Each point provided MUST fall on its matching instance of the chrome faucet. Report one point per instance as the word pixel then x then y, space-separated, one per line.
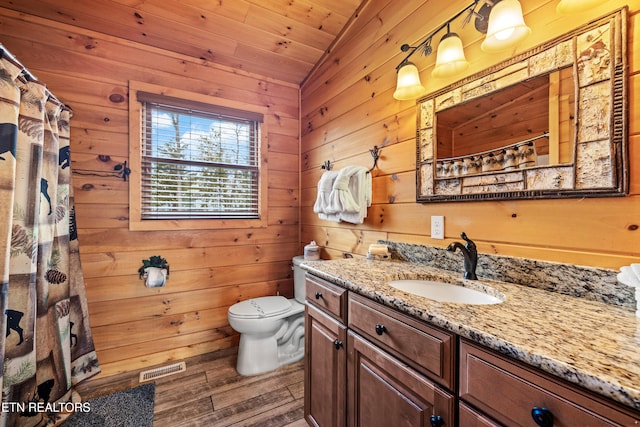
pixel 470 254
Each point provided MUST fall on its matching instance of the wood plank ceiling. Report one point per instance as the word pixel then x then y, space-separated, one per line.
pixel 281 39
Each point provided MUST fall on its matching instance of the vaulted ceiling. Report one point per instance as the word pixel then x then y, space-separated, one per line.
pixel 282 39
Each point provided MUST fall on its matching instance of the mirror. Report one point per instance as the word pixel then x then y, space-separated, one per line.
pixel 548 123
pixel 528 124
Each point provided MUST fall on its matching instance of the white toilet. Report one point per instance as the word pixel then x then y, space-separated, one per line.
pixel 271 328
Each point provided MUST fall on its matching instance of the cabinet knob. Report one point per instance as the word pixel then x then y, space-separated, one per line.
pixel 318 295
pixel 436 421
pixel 542 416
pixel 380 329
pixel 337 344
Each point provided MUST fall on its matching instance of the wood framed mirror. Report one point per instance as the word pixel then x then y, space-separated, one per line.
pixel 548 123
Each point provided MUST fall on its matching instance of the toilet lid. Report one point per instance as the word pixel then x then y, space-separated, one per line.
pixel 256 308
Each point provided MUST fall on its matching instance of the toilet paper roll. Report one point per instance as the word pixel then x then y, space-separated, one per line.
pixel 156 277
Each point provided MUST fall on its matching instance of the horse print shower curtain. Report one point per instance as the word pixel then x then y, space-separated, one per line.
pixel 47 347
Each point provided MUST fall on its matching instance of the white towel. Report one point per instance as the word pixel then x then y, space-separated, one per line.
pixel 341 199
pixel 360 186
pixel 351 194
pixel 325 186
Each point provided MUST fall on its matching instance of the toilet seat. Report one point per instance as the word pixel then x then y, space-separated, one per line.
pixel 258 308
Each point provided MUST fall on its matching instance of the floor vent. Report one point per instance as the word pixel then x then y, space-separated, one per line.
pixel 162 371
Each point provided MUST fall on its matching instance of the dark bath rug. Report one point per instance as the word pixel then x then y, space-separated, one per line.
pixel 133 407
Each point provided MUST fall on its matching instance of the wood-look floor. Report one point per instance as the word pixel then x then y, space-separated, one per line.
pixel 212 393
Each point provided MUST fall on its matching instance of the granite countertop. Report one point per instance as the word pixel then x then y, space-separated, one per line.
pixel 589 343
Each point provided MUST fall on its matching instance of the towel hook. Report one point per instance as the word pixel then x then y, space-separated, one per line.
pixel 327 165
pixel 375 153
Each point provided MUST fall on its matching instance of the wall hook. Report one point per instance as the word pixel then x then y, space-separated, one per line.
pixel 327 165
pixel 375 153
pixel 122 170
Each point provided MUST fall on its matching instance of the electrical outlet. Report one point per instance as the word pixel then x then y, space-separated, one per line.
pixel 437 227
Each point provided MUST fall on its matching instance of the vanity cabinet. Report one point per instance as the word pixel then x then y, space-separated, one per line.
pixel 512 393
pixel 370 365
pixel 325 391
pixel 367 365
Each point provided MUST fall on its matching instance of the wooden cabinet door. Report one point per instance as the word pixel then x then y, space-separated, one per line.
pixel 325 370
pixel 386 392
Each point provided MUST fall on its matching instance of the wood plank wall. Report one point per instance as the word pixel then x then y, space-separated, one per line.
pixel 133 326
pixel 347 108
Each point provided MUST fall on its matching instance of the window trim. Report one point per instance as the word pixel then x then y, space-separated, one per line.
pixel 136 223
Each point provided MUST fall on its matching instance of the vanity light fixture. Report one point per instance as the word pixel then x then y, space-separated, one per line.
pixel 502 21
pixel 567 7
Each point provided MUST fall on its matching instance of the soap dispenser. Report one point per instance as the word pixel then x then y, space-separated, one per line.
pixel 312 251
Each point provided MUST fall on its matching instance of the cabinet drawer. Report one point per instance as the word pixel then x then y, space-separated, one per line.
pixel 328 297
pixel 425 348
pixel 508 391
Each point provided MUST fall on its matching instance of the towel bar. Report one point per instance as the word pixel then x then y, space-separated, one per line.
pixel 375 153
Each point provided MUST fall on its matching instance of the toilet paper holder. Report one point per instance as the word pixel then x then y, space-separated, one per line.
pixel 154 271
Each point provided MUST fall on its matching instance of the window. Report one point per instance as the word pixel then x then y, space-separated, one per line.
pixel 197 161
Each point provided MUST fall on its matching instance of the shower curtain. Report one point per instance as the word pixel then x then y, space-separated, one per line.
pixel 47 347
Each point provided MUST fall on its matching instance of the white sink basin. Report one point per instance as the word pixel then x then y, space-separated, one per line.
pixel 444 292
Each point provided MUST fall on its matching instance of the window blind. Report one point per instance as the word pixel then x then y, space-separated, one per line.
pixel 198 161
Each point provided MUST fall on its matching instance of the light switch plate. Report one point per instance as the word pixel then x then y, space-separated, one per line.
pixel 437 227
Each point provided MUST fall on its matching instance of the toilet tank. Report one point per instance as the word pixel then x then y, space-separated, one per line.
pixel 298 279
